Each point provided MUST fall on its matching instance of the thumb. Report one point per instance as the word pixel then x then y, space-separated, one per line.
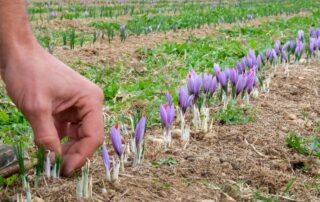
pixel 45 133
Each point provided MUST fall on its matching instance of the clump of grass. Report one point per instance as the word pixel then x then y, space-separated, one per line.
pixel 234 114
pixel 306 146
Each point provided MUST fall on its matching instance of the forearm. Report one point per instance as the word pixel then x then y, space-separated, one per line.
pixel 15 31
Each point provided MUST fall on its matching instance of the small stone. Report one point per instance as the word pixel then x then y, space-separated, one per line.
pixel 284 129
pixel 158 142
pixel 104 191
pixel 37 199
pixel 266 104
pixel 290 116
pixel 210 135
pixel 299 122
pixel 308 124
pixel 176 134
pixel 226 165
pixel 228 199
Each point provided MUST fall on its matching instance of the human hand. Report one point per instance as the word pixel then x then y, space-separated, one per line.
pixel 58 102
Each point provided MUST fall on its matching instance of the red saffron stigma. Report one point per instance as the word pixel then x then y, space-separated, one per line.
pixel 116 125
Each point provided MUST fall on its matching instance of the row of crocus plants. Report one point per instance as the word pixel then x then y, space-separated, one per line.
pixel 236 85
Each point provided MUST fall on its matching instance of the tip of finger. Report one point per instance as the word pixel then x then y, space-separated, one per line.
pixel 71 163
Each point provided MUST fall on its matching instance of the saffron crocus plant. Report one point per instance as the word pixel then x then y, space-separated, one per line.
pixel 169 98
pixel 117 145
pixel 167 116
pixel 234 80
pixel 223 80
pixel 241 83
pixel 184 102
pixel 139 133
pixel 106 161
pixel 194 84
pixel 298 50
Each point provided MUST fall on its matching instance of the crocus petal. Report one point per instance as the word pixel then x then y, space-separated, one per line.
pixel 213 86
pixel 163 114
pixel 116 140
pixel 140 129
pixel 300 35
pixel 206 82
pixel 105 156
pixel 169 98
pixel 240 84
pixel 222 78
pixel 170 114
pixel 233 76
pixel 277 47
pixel 216 68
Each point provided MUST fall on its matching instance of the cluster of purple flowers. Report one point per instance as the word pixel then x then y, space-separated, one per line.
pixel 314 41
pixel 116 140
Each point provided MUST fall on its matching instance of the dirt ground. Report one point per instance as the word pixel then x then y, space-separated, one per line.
pixel 230 163
pixel 106 53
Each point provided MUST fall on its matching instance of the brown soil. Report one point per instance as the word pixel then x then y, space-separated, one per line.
pixel 230 163
pixel 104 53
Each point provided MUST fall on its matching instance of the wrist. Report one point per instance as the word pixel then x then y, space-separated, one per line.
pixel 16 46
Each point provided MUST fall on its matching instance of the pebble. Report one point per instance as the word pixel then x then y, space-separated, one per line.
pixel 290 116
pixel 266 104
pixel 176 134
pixel 284 129
pixel 210 135
pixel 226 165
pixel 37 199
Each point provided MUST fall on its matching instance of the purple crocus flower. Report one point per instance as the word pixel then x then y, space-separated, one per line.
pixel 299 47
pixel 286 45
pixel 240 67
pixel 140 129
pixel 213 86
pixel 53 14
pixel 312 32
pixel 206 82
pixel 167 115
pixel 169 98
pixel 250 61
pixel 116 140
pixel 317 33
pixel 284 55
pixel 277 47
pixel 300 35
pixel 222 78
pixel 313 45
pixel 184 99
pixel 105 157
pixel 259 62
pixel 227 72
pixel 233 76
pixel 194 83
pixel 216 68
pixel 271 54
pixel 251 80
pixel 261 56
pixel 252 54
pixel 241 83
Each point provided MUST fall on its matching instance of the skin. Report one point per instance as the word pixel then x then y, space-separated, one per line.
pixel 56 100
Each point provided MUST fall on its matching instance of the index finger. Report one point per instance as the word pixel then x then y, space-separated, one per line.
pixel 91 135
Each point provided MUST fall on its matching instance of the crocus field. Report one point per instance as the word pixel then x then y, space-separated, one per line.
pixel 209 100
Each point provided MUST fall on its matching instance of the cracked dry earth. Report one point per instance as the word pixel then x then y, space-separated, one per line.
pixel 231 162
